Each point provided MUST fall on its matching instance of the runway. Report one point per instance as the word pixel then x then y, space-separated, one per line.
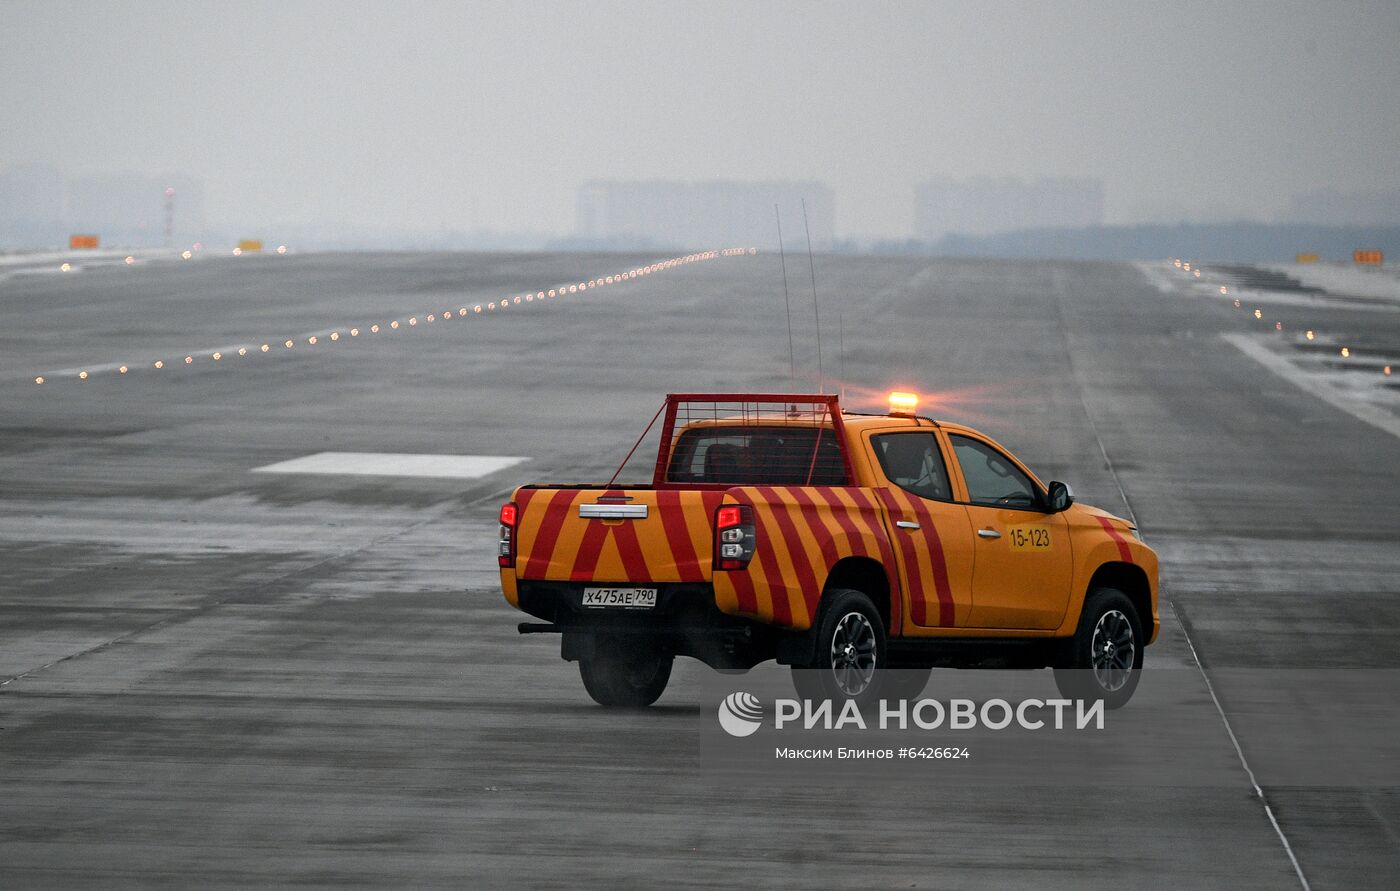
pixel 214 676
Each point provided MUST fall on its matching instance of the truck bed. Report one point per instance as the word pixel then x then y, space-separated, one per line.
pixel 672 542
pixel 805 530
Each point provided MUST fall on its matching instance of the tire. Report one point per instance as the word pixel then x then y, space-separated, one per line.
pixel 850 651
pixel 904 683
pixel 1104 658
pixel 623 676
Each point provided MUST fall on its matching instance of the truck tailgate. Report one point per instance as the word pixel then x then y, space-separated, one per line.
pixel 615 535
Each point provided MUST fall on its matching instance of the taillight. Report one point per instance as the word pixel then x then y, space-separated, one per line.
pixel 735 536
pixel 505 551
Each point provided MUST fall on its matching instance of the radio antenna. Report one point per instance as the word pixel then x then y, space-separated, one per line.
pixel 841 345
pixel 787 301
pixel 816 305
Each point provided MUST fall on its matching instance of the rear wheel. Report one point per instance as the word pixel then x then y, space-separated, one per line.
pixel 1105 655
pixel 850 651
pixel 625 678
pixel 904 683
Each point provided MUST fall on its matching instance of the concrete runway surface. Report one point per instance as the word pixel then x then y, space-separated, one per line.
pixel 215 677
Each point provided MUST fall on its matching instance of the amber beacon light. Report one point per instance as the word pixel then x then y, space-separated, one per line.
pixel 902 403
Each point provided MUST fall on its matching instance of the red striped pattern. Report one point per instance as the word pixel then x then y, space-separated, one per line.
pixel 542 545
pixel 812 516
pixel 765 563
pixel 918 604
pixel 802 533
pixel 898 504
pixel 624 536
pixel 558 550
pixel 1123 550
pixel 783 528
pixel 938 559
pixel 668 504
pixel 869 517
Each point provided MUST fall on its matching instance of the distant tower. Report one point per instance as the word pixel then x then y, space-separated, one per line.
pixel 169 216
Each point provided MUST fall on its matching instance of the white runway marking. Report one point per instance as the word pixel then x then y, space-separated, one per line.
pixel 1313 383
pixel 1170 281
pixel 462 467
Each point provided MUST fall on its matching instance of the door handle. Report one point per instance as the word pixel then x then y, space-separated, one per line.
pixel 988 533
pixel 905 524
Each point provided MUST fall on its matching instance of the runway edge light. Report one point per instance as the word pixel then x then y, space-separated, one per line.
pixel 256 245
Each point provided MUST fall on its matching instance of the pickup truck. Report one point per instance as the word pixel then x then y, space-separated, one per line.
pixel 840 544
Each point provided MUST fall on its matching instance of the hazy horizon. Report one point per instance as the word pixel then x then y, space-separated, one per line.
pixel 489 116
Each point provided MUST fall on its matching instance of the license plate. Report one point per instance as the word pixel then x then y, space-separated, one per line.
pixel 622 598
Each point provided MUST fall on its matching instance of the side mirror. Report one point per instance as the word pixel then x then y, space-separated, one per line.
pixel 1059 497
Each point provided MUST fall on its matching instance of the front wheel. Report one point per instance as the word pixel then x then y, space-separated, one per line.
pixel 619 678
pixel 1104 657
pixel 850 651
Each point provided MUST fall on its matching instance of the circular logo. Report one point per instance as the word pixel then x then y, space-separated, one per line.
pixel 740 714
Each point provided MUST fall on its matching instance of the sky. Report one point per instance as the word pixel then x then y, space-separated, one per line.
pixel 471 115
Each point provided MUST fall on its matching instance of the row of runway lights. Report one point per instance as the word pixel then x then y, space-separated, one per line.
pixel 1309 334
pixel 187 254
pixel 462 312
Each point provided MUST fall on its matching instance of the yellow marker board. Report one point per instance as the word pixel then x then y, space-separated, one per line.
pixel 250 245
pixel 1306 258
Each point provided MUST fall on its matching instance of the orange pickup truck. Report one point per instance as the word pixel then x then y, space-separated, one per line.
pixel 781 527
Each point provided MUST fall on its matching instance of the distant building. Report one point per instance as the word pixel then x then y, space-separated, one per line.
pixel 32 193
pixel 986 206
pixel 32 198
pixel 703 214
pixel 1371 208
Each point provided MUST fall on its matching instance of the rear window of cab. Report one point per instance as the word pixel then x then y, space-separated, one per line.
pixel 757 456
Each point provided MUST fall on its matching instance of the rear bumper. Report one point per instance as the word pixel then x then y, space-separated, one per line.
pixel 684 622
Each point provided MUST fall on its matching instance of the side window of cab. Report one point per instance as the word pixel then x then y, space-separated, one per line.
pixel 992 480
pixel 913 462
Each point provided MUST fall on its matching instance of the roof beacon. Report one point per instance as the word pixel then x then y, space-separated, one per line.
pixel 903 404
